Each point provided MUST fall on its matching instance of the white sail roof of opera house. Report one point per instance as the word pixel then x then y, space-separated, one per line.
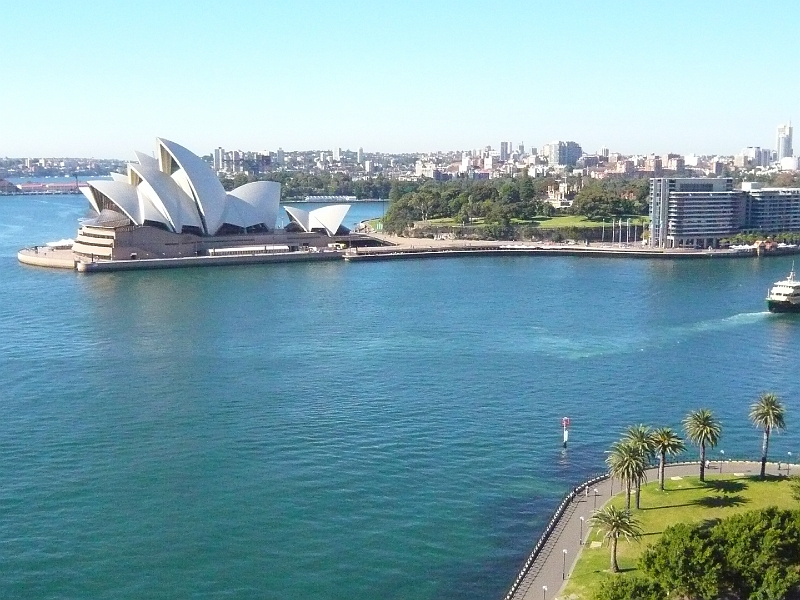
pixel 178 190
pixel 328 218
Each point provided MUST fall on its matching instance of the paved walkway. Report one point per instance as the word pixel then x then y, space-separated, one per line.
pixel 555 562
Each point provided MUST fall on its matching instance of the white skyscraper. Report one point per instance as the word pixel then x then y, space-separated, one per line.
pixel 337 154
pixel 219 156
pixel 360 156
pixel 785 141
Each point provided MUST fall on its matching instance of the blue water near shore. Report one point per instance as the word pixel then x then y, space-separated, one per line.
pixel 376 430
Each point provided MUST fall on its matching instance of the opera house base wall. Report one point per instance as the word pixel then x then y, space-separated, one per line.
pixel 205 261
pixel 55 259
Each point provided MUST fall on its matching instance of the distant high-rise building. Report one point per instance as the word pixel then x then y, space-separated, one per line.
pixel 521 148
pixel 368 166
pixel 603 152
pixel 219 156
pixel 279 158
pixel 562 153
pixel 360 156
pixel 337 154
pixel 785 141
pixel 505 150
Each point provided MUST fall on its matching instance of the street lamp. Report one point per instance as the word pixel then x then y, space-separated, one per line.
pixel 544 592
pixel 787 463
pixel 722 452
pixel 595 498
pixel 580 539
pixel 564 568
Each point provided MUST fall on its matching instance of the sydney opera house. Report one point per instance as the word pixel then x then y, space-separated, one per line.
pixel 173 206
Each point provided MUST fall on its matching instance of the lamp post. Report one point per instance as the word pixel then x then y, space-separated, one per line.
pixel 580 539
pixel 722 452
pixel 564 568
pixel 787 462
pixel 544 592
pixel 595 498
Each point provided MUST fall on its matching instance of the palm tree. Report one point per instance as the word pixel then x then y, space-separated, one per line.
pixel 628 464
pixel 767 413
pixel 616 523
pixel 665 441
pixel 702 429
pixel 640 437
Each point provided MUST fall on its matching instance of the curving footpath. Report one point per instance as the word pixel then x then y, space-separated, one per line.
pixel 549 565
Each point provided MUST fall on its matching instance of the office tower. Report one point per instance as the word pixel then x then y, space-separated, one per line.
pixel 521 148
pixel 219 156
pixel 360 156
pixel 337 154
pixel 784 141
pixel 505 150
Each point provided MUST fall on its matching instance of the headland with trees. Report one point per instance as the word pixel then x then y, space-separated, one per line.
pixel 724 535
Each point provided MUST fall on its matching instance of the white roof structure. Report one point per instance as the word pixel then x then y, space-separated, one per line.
pixel 179 191
pixel 328 218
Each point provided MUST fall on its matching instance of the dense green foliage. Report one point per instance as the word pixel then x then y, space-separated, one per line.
pixel 298 185
pixel 751 555
pixel 499 202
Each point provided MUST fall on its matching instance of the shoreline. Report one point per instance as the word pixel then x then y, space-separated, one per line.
pixel 400 249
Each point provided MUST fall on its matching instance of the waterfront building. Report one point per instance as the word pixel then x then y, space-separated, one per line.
pixel 771 210
pixel 784 141
pixel 689 212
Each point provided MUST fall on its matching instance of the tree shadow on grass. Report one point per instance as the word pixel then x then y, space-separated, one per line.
pixel 721 501
pixel 726 486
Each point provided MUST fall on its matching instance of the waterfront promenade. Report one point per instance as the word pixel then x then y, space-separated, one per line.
pixel 552 566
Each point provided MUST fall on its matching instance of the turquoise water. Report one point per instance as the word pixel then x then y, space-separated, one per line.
pixel 376 430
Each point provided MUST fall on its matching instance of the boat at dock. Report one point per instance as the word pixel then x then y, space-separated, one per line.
pixel 784 296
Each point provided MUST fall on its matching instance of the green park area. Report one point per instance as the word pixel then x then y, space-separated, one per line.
pixel 685 500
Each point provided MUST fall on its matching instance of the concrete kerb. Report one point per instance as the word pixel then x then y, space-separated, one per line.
pixel 549 530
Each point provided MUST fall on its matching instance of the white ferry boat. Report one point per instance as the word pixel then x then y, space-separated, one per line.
pixel 784 296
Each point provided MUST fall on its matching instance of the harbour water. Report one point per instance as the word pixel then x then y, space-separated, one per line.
pixel 378 430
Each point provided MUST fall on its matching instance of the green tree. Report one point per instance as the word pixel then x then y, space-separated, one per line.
pixel 628 587
pixel 665 441
pixel 640 437
pixel 686 562
pixel 616 523
pixel 628 464
pixel 702 429
pixel 767 413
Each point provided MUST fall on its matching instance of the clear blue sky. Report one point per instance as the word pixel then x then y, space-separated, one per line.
pixel 86 78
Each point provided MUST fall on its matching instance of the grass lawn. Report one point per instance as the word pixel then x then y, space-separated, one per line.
pixel 685 500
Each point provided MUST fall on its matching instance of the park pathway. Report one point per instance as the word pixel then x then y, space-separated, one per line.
pixel 552 567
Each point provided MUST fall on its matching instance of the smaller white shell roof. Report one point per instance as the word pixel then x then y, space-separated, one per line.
pixel 263 196
pixel 328 218
pixel 121 194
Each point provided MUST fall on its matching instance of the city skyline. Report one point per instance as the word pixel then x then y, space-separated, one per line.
pixel 421 77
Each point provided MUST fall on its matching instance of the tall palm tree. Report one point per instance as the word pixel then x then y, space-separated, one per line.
pixel 640 437
pixel 665 441
pixel 702 429
pixel 767 413
pixel 616 523
pixel 627 463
